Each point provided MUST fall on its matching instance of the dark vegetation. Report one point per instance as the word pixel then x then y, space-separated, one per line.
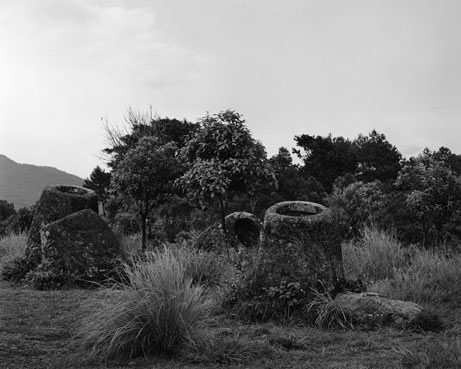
pixel 178 306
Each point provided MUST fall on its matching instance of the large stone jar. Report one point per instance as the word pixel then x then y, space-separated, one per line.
pixel 300 244
pixel 56 202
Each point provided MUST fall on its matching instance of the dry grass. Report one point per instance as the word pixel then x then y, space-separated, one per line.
pixel 413 274
pixel 39 329
pixel 12 246
pixel 155 312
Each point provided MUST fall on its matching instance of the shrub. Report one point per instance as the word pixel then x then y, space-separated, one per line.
pixel 156 312
pixel 250 299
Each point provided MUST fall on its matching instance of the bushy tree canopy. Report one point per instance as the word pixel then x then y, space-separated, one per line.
pixel 326 158
pixel 146 175
pixel 377 159
pixel 225 160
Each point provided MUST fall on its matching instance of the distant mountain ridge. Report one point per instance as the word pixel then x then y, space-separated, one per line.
pixel 22 184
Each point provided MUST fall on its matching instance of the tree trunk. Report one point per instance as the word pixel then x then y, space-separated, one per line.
pixel 143 233
pixel 223 214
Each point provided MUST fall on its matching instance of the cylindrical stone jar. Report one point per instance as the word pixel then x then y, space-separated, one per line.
pixel 300 244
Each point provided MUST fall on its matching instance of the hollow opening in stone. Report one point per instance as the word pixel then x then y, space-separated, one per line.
pixel 246 231
pixel 72 189
pixel 299 210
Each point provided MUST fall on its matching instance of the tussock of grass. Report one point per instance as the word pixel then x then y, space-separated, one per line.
pixel 326 313
pixel 156 312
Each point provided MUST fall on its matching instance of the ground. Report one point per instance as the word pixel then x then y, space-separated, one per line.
pixel 37 329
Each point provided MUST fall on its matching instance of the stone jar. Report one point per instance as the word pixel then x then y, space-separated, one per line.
pixel 56 202
pixel 300 244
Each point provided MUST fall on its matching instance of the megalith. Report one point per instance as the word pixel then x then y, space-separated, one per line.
pixel 77 249
pixel 300 244
pixel 57 201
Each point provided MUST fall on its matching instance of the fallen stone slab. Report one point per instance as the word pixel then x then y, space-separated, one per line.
pixel 372 310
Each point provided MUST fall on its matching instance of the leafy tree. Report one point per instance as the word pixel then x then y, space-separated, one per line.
pixel 22 221
pixel 447 158
pixel 7 216
pixel 377 158
pixel 145 176
pixel 140 125
pixel 356 205
pixel 99 182
pixel 292 185
pixel 225 160
pixel 326 158
pixel 6 209
pixel 432 196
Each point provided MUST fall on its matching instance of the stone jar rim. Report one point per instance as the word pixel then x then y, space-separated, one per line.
pixel 71 190
pixel 298 211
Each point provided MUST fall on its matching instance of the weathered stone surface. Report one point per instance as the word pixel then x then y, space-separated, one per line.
pixel 371 309
pixel 79 247
pixel 300 244
pixel 56 202
pixel 242 230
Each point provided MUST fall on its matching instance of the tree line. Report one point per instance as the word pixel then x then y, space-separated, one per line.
pixel 167 177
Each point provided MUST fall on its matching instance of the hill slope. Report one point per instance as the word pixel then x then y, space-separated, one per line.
pixel 22 184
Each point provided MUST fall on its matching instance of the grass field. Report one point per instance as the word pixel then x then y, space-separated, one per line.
pixel 37 329
pixel 40 329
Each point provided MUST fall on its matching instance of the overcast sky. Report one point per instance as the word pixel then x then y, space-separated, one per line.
pixel 289 66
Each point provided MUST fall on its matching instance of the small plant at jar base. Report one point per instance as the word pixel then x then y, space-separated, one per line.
pixel 326 313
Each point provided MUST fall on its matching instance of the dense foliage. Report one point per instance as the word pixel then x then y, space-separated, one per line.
pixel 226 161
pixel 218 167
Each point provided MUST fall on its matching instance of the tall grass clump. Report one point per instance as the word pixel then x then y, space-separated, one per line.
pixel 376 255
pixel 326 313
pixel 157 311
pixel 404 273
pixel 430 277
pixel 12 247
pixel 206 268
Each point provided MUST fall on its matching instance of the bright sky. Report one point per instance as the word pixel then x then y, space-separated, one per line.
pixel 289 66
